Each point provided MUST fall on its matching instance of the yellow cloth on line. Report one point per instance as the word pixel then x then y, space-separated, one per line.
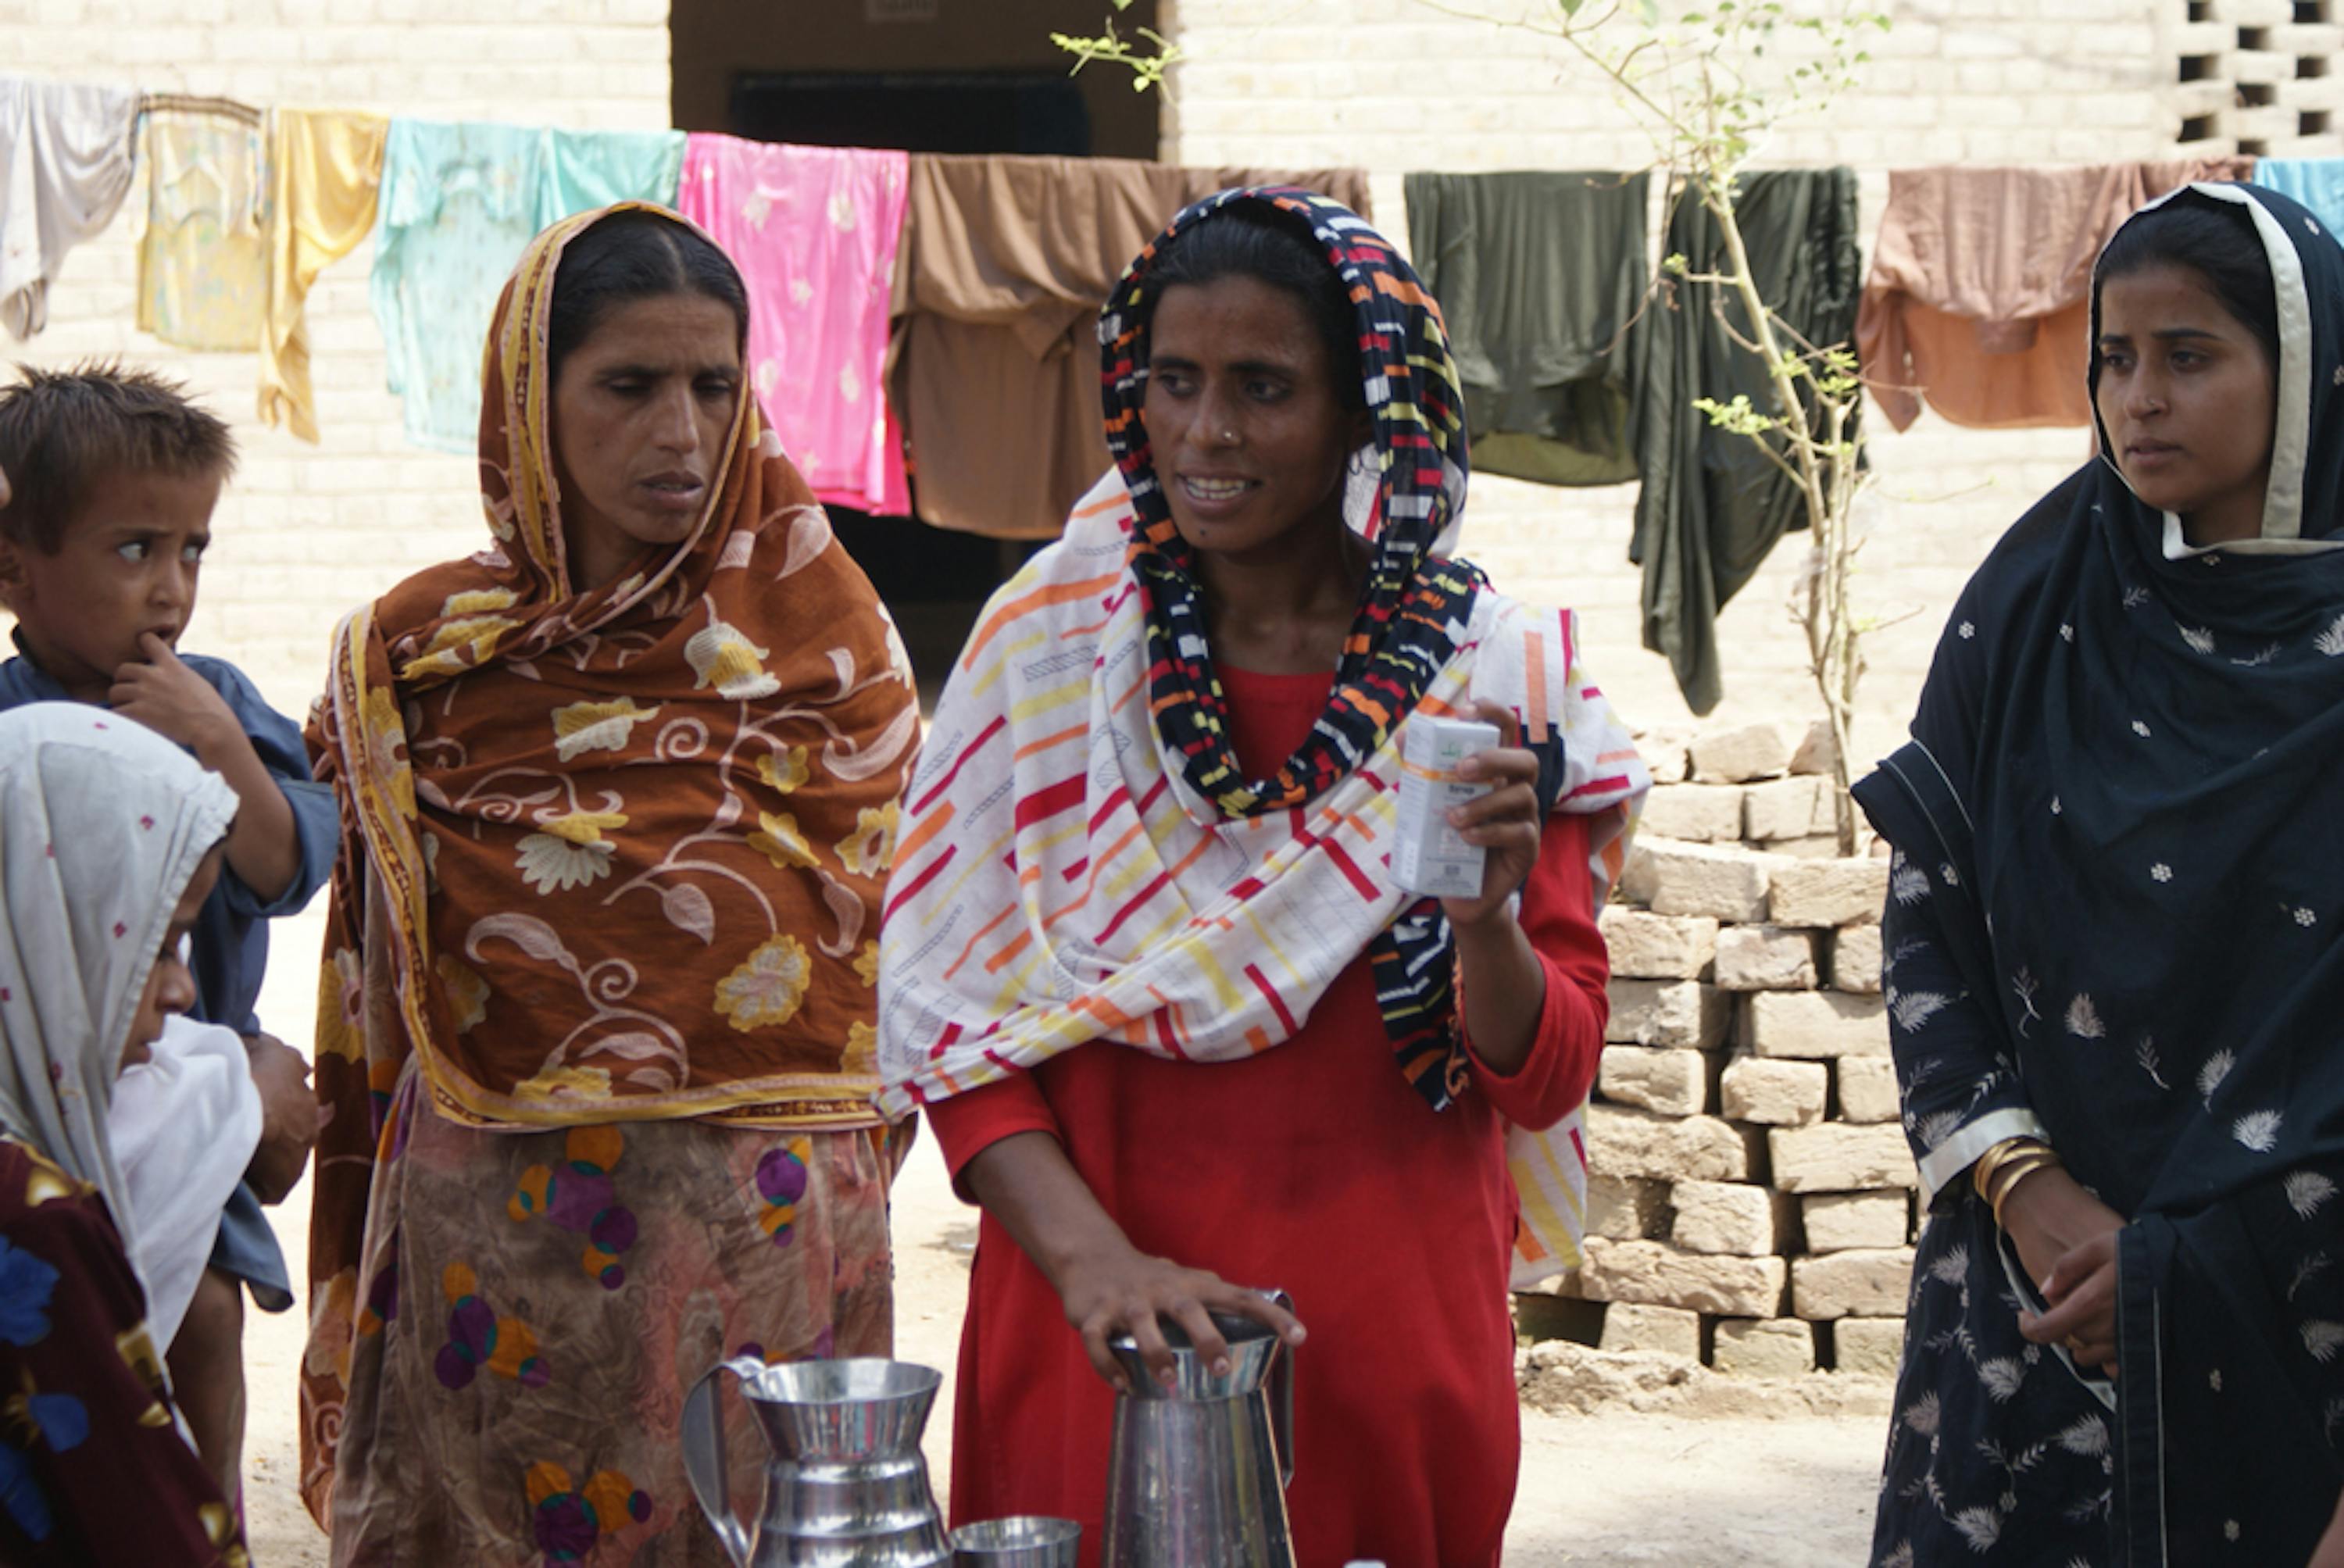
pixel 203 262
pixel 324 168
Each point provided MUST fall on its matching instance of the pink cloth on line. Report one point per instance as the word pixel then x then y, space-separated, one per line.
pixel 814 232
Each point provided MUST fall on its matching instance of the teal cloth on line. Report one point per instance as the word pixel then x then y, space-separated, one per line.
pixel 460 202
pixel 2317 182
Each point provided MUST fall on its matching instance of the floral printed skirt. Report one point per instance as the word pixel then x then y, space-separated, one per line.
pixel 538 1305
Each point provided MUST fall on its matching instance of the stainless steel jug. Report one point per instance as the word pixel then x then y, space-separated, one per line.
pixel 1197 1472
pixel 846 1483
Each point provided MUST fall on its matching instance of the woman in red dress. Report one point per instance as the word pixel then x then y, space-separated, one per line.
pixel 1144 965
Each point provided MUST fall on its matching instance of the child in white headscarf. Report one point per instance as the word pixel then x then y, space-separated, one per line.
pixel 109 843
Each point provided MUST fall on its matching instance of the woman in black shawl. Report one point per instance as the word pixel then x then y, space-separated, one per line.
pixel 2115 942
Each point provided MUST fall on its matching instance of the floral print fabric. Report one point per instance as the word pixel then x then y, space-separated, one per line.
pixel 460 202
pixel 83 1403
pixel 630 839
pixel 609 857
pixel 203 261
pixel 814 231
pixel 532 1308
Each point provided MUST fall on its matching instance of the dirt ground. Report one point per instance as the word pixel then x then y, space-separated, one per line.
pixel 1766 1484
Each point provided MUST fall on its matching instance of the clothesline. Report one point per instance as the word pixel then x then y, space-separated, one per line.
pixel 192 104
pixel 920 324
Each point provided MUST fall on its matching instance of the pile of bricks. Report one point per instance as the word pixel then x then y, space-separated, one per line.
pixel 1750 1194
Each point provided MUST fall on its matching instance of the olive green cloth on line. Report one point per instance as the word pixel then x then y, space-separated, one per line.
pixel 1538 275
pixel 1712 504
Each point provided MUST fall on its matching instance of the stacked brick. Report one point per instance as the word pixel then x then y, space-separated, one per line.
pixel 1751 1195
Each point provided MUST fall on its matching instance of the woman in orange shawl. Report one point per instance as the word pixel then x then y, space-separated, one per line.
pixel 595 1041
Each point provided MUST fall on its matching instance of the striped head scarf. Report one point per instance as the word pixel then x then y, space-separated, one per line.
pixel 1415 603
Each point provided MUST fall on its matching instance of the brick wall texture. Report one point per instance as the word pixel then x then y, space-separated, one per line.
pixel 1397 85
pixel 305 533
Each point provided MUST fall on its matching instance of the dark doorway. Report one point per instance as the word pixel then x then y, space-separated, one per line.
pixel 923 112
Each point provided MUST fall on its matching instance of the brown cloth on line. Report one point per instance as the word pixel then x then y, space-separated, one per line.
pixel 1980 293
pixel 994 366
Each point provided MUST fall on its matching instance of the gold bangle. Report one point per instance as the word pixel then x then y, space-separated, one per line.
pixel 1983 1172
pixel 2016 1170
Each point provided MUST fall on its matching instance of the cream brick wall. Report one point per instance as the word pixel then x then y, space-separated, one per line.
pixel 306 533
pixel 1396 85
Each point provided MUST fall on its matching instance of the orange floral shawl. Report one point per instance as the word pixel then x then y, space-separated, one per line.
pixel 613 855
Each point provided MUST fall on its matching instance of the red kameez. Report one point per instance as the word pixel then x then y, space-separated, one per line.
pixel 1314 1167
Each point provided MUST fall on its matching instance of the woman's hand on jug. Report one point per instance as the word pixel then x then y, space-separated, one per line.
pixel 1124 1291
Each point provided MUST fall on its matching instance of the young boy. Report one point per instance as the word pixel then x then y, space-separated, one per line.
pixel 114 475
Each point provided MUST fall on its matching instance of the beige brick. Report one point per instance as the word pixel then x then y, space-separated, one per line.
pixel 1664 751
pixel 1728 1217
pixel 1765 958
pixel 1685 1014
pixel 1741 754
pixel 1671 877
pixel 1702 813
pixel 1858 1283
pixel 1855 959
pixel 1654 1273
pixel 1647 947
pixel 1833 1157
pixel 1814 846
pixel 1660 1331
pixel 1813 1025
pixel 1868 1347
pixel 1836 1221
pixel 1816 753
pixel 1867 1089
pixel 1774 1092
pixel 1675 1083
pixel 1765 1347
pixel 1795 807
pixel 1827 892
pixel 1624 1142
pixel 1626 1207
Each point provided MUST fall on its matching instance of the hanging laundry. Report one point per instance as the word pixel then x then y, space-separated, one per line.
pixel 1538 276
pixel 1005 263
pixel 203 262
pixel 1712 504
pixel 458 208
pixel 587 170
pixel 460 202
pixel 814 231
pixel 1978 297
pixel 2317 182
pixel 64 166
pixel 324 168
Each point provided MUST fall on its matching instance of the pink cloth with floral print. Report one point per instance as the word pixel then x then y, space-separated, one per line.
pixel 814 232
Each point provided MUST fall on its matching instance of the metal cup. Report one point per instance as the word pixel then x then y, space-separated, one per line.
pixel 1029 1541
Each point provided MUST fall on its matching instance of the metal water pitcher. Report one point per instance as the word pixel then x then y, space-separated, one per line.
pixel 845 1483
pixel 1198 1471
